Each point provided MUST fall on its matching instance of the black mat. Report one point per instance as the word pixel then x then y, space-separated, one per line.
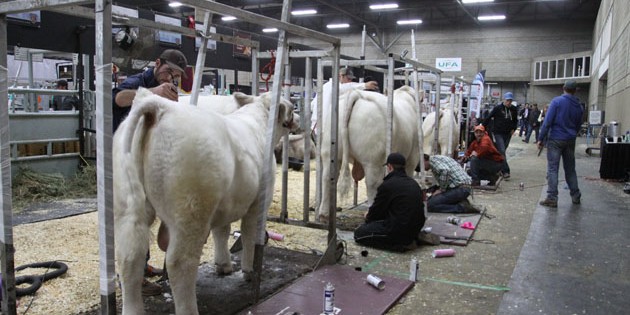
pixel 353 295
pixel 450 233
pixel 44 211
pixel 219 295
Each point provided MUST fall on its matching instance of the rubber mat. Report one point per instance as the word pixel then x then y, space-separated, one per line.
pixel 452 233
pixel 353 294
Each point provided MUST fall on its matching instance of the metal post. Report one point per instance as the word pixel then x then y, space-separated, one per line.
pixel 201 59
pixel 308 91
pixel 103 68
pixel 7 250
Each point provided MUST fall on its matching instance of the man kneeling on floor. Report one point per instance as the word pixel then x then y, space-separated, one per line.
pixel 450 195
pixel 485 160
pixel 397 214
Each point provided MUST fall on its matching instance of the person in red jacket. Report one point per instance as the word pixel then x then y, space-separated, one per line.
pixel 485 159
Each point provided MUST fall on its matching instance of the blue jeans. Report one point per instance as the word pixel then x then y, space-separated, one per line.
pixel 447 201
pixel 484 169
pixel 529 133
pixel 502 141
pixel 557 149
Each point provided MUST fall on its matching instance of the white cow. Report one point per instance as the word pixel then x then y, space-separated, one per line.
pixel 447 122
pixel 296 147
pixel 223 104
pixel 362 139
pixel 198 171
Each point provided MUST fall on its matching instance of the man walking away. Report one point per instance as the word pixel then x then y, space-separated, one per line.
pixel 559 130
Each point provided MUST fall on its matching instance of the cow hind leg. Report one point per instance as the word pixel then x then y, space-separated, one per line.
pixel 131 250
pixel 248 227
pixel 222 259
pixel 182 260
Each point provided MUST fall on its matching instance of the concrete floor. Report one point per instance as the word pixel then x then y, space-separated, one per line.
pixel 526 259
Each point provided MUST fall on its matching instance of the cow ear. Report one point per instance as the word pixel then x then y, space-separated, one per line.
pixel 242 98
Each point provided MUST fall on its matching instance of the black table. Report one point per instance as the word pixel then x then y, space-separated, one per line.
pixel 615 161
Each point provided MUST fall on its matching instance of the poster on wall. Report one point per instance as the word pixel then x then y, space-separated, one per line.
pixel 242 50
pixel 449 64
pixel 32 18
pixel 165 37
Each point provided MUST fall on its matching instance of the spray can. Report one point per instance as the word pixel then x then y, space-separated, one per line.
pixel 413 270
pixel 453 220
pixel 521 186
pixel 329 299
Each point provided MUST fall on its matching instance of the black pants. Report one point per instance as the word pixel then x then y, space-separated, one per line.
pixel 375 234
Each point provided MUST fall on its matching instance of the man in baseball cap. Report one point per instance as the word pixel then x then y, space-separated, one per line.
pixel 396 217
pixel 163 79
pixel 485 160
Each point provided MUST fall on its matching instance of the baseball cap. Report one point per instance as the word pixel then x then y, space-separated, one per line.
pixel 396 159
pixel 479 127
pixel 347 72
pixel 570 84
pixel 508 96
pixel 175 59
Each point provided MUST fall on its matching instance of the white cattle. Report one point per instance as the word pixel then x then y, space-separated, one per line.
pixel 198 171
pixel 447 122
pixel 362 139
pixel 222 104
pixel 296 147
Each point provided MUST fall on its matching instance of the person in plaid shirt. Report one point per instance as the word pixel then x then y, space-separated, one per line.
pixel 450 195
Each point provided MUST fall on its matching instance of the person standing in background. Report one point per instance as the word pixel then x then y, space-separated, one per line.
pixel 534 123
pixel 559 130
pixel 64 102
pixel 504 119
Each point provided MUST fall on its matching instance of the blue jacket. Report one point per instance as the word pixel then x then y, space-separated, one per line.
pixel 563 119
pixel 144 79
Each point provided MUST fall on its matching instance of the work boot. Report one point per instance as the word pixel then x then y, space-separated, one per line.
pixel 549 203
pixel 150 271
pixel 576 199
pixel 468 207
pixel 150 289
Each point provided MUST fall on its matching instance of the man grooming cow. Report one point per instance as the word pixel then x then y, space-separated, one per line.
pixel 160 80
pixel 211 177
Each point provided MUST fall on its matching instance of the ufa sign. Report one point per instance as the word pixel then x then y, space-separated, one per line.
pixel 448 64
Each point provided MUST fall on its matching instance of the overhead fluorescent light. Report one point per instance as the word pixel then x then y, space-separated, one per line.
pixel 384 6
pixel 408 22
pixel 340 25
pixel 174 4
pixel 475 1
pixel 304 12
pixel 270 30
pixel 228 18
pixel 491 17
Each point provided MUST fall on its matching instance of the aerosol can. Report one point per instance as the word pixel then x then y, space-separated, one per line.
pixel 329 299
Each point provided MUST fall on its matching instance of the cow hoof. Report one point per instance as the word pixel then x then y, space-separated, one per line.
pixel 248 276
pixel 224 269
pixel 322 219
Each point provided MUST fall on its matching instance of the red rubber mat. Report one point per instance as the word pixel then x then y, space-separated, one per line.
pixel 353 294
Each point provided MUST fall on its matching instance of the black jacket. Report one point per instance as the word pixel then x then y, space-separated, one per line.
pixel 399 203
pixel 505 120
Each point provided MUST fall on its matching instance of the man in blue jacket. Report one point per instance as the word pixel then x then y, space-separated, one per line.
pixel 559 129
pixel 397 215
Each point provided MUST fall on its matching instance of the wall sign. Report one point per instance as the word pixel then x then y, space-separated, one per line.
pixel 448 64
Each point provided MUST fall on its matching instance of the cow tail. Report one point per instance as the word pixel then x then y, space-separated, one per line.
pixel 141 118
pixel 345 181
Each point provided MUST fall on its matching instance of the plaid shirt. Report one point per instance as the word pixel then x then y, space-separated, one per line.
pixel 448 173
